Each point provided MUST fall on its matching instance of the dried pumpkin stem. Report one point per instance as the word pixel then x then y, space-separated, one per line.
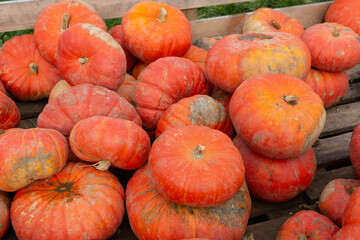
pixel 65 22
pixel 336 32
pixel 301 237
pixel 198 152
pixel 34 68
pixel 102 165
pixel 291 99
pixel 276 24
pixel 83 60
pixel 162 15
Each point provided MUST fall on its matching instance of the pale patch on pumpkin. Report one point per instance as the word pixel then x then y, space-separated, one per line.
pixel 102 35
pixel 206 111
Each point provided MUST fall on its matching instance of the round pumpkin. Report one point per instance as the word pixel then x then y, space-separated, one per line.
pixel 58 17
pixel 335 196
pixel 348 232
pixel 154 30
pixel 4 213
pixel 222 97
pixel 127 88
pixel 276 180
pixel 25 74
pixel 354 150
pixel 331 87
pixel 9 112
pixel 29 155
pixel 59 87
pixel 188 164
pixel 152 216
pixel 352 210
pixel 307 223
pixel 84 101
pixel 197 55
pixel 2 88
pixel 268 19
pixel 207 42
pixel 333 47
pixel 138 68
pixel 250 54
pixel 82 202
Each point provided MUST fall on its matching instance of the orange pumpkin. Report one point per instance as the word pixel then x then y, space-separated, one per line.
pixel 348 232
pixel 352 210
pixel 127 88
pixel 59 87
pixel 9 112
pixel 153 30
pixel 222 97
pixel 24 72
pixel 4 213
pixel 197 55
pixel 2 88
pixel 207 42
pixel 139 67
pixel 58 17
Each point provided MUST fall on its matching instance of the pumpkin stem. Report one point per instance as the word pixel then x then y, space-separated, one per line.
pixel 336 32
pixel 102 165
pixel 162 15
pixel 83 60
pixel 34 68
pixel 301 237
pixel 198 152
pixel 276 24
pixel 291 99
pixel 65 22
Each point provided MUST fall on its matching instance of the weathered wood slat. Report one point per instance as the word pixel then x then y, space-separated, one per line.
pixel 352 95
pixel 264 230
pixel 31 109
pixel 28 123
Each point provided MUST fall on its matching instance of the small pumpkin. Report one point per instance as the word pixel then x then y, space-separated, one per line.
pixel 354 150
pixel 2 88
pixel 222 97
pixel 348 232
pixel 127 88
pixel 207 42
pixel 9 112
pixel 4 213
pixel 197 55
pixel 59 87
pixel 352 210
pixel 138 68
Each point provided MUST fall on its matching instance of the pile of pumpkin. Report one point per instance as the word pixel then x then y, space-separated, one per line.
pixel 173 119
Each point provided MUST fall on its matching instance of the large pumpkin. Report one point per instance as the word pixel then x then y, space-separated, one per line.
pixel 2 88
pixel 197 55
pixel 4 213
pixel 24 72
pixel 138 68
pixel 127 88
pixel 152 216
pixel 9 112
pixel 58 17
pixel 352 210
pixel 153 30
pixel 277 115
pixel 222 97
pixel 188 164
pixel 79 202
pixel 348 232
pixel 59 87
pixel 235 58
pixel 354 150
pixel 30 154
pixel 84 101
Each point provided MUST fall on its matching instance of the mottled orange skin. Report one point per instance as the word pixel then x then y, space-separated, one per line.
pixel 311 224
pixel 354 150
pixel 329 51
pixel 25 84
pixel 235 58
pixel 187 176
pixel 84 101
pixel 152 216
pixel 352 209
pixel 164 82
pixel 79 202
pixel 4 213
pixel 47 29
pixel 331 87
pixel 29 155
pixel 271 126
pixel 345 12
pixel 138 68
pixel 9 112
pixel 2 88
pixel 127 88
pixel 268 19
pixel 197 55
pixel 348 232
pixel 334 198
pixel 117 32
pixel 207 42
pixel 148 39
pixel 276 180
pixel 222 97
pixel 201 110
pixel 59 87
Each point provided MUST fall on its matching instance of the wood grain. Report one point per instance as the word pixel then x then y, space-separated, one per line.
pixel 31 109
pixel 264 230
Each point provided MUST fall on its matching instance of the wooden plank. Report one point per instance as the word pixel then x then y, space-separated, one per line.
pixel 352 95
pixel 191 14
pixel 124 232
pixel 31 109
pixel 354 73
pixel 28 123
pixel 264 230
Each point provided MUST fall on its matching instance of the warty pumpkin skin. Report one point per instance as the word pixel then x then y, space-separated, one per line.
pixel 154 30
pixel 82 202
pixel 152 216
pixel 352 209
pixel 59 87
pixel 25 74
pixel 9 112
pixel 237 57
pixel 127 88
pixel 4 213
pixel 29 155
pixel 348 232
pixel 58 17
pixel 83 101
pixel 354 150
pixel 277 115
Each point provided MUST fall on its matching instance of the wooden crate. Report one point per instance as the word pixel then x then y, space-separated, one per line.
pixel 331 151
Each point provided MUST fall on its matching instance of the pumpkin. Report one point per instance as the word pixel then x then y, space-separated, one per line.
pixel 154 30
pixel 277 115
pixel 250 54
pixel 138 68
pixel 331 87
pixel 25 74
pixel 307 224
pixel 58 17
pixel 9 112
pixel 276 180
pixel 349 232
pixel 335 196
pixel 59 87
pixel 201 110
pixel 84 101
pixel 333 47
pixel 152 216
pixel 110 141
pixel 354 150
pixel 352 210
pixel 188 166
pixel 164 82
pixel 345 12
pixel 29 155
pixel 222 97
pixel 4 213
pixel 268 19
pixel 207 42
pixel 2 88
pixel 127 88
pixel 197 55
pixel 117 33
pixel 87 54
pixel 82 202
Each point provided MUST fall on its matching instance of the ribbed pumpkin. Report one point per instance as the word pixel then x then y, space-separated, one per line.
pixel 127 88
pixel 276 180
pixel 25 74
pixel 153 30
pixel 222 97
pixel 138 68
pixel 110 141
pixel 201 110
pixel 59 87
pixel 268 19
pixel 349 232
pixel 58 17
pixel 154 217
pixel 277 115
pixel 237 57
pixel 331 87
pixel 354 150
pixel 207 42
pixel 29 155
pixel 9 112
pixel 2 88
pixel 82 202
pixel 197 55
pixel 84 101
pixel 4 213
pixel 164 82
pixel 333 47
pixel 352 210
